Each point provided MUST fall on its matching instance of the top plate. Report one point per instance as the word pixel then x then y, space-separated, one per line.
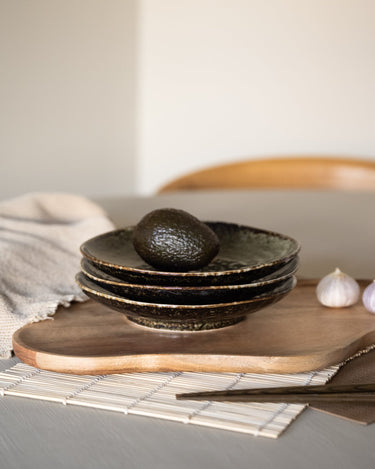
pixel 246 253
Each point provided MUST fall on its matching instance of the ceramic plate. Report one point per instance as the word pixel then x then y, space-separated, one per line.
pixel 189 294
pixel 245 254
pixel 183 317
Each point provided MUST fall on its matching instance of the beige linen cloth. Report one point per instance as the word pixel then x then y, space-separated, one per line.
pixel 40 236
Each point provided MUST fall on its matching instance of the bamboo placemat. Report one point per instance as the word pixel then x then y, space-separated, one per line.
pixel 153 395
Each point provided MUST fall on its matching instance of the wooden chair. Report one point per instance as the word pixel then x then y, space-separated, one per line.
pixel 278 173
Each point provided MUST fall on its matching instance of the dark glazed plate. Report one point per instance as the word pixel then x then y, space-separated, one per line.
pixel 245 254
pixel 183 317
pixel 189 294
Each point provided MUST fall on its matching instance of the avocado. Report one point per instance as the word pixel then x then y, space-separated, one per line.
pixel 174 240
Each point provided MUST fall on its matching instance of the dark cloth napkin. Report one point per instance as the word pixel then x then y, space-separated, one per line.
pixel 359 370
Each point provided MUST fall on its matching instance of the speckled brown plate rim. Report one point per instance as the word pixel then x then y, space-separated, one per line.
pixel 120 283
pixel 193 274
pixel 113 297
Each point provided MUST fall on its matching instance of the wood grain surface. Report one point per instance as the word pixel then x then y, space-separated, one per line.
pixel 295 335
pixel 315 172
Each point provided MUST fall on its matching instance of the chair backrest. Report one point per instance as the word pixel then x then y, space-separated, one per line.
pixel 278 173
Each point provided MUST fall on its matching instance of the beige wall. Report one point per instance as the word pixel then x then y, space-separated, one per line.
pixel 67 85
pixel 227 79
pixel 108 97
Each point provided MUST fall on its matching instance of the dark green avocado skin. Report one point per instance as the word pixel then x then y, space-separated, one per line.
pixel 174 240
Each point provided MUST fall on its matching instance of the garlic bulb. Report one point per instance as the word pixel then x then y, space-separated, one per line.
pixel 337 290
pixel 368 297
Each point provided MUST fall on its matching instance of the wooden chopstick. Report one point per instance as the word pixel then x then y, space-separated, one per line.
pixel 290 395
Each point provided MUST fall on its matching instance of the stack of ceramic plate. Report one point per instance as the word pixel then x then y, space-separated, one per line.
pixel 253 269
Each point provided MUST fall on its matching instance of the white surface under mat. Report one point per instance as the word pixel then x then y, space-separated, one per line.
pixel 153 395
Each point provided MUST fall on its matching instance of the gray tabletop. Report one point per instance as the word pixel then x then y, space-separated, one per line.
pixel 335 229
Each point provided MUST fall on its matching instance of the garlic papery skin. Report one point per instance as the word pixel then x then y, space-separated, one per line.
pixel 337 290
pixel 368 297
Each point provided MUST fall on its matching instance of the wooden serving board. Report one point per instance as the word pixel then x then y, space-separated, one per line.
pixel 295 335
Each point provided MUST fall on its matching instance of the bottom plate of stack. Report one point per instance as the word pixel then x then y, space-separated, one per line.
pixel 294 335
